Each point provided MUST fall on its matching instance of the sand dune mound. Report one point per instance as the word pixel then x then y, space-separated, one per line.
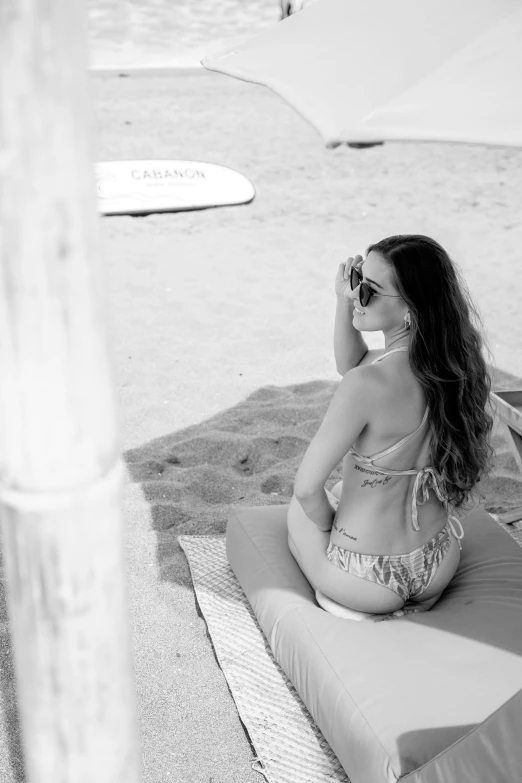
pixel 246 455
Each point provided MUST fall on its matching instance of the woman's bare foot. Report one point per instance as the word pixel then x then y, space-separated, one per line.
pixel 406 609
pixel 410 607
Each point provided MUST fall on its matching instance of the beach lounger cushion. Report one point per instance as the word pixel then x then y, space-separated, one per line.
pixel 434 697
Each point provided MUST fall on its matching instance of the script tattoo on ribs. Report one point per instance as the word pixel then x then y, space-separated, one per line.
pixel 382 479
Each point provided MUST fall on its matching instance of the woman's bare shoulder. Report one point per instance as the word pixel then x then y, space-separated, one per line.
pixel 363 380
pixel 378 382
pixel 389 381
pixel 370 356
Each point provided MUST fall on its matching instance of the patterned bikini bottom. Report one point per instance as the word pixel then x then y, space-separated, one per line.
pixel 408 574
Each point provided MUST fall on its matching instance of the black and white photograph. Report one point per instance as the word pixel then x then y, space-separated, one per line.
pixel 261 391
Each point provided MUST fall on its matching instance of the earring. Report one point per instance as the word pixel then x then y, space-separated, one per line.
pixel 407 320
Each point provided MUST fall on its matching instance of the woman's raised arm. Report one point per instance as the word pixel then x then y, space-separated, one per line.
pixel 349 346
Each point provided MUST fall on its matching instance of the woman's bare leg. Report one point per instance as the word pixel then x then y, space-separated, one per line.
pixel 337 489
pixel 337 609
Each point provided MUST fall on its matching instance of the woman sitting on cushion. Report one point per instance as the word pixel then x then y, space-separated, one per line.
pixel 411 425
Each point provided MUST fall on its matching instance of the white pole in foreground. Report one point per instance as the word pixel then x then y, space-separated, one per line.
pixel 60 468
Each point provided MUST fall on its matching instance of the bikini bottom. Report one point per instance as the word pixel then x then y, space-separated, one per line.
pixel 407 574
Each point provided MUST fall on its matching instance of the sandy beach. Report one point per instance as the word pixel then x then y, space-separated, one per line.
pixel 220 326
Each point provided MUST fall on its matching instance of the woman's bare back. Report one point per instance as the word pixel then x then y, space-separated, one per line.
pixel 374 514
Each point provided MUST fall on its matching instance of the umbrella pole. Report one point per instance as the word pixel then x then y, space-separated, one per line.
pixel 60 468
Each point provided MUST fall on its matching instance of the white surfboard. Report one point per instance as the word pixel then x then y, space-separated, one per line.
pixel 133 187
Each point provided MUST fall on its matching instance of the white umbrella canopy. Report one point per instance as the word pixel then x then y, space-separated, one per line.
pixel 375 70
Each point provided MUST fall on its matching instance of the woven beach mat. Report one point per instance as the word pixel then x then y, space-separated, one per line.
pixel 290 747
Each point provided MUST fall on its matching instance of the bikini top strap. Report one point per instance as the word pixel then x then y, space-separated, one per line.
pixel 401 442
pixel 393 350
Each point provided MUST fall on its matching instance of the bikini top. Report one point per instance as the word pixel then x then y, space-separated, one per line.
pixel 427 477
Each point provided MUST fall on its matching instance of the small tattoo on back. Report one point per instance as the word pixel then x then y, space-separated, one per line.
pixel 342 530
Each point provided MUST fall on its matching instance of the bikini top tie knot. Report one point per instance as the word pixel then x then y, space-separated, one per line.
pixel 427 478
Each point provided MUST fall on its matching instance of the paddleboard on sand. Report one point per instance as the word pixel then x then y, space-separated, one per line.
pixel 134 187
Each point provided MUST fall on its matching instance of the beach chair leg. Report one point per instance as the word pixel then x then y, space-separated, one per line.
pixel 510 517
pixel 515 442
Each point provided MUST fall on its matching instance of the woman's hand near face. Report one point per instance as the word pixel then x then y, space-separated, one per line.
pixel 342 279
pixel 349 345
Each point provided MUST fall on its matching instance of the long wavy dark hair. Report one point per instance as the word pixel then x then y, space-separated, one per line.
pixel 446 344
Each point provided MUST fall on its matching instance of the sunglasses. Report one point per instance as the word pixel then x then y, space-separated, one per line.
pixel 365 292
